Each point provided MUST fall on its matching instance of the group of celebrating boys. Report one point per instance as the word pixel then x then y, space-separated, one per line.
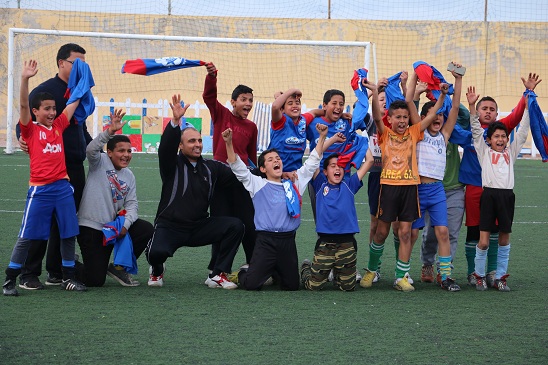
pixel 416 181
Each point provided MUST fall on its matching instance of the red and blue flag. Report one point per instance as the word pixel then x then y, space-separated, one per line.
pixel 539 128
pixel 153 66
pixel 434 78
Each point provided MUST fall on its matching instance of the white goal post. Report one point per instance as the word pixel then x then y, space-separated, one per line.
pixel 369 52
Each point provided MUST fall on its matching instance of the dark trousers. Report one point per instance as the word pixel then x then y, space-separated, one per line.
pixel 275 253
pixel 37 251
pixel 96 257
pixel 225 232
pixel 235 202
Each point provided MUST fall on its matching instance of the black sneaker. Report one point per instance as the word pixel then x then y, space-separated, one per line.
pixel 501 285
pixel 481 282
pixel 9 288
pixel 31 283
pixel 121 276
pixel 450 285
pixel 53 280
pixel 73 285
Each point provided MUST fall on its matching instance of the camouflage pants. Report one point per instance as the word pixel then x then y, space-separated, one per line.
pixel 341 257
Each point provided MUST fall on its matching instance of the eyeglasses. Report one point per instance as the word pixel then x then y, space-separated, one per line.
pixel 71 62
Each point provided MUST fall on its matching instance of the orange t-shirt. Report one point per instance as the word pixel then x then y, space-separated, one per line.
pixel 399 156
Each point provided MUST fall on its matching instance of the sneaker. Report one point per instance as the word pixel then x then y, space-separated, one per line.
pixel 368 277
pixel 403 284
pixel 221 281
pixel 268 282
pixel 52 280
pixel 156 280
pixel 500 284
pixel 472 280
pixel 31 283
pixel 9 288
pixel 449 285
pixel 121 276
pixel 427 274
pixel 481 282
pixel 490 278
pixel 359 276
pixel 377 276
pixel 331 276
pixel 73 285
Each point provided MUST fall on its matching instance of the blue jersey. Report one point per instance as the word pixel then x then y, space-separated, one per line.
pixel 344 126
pixel 335 208
pixel 289 139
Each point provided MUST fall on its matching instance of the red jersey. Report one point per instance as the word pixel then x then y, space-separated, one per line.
pixel 244 131
pixel 47 159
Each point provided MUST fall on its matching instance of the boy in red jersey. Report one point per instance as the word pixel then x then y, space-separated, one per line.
pixel 235 201
pixel 49 193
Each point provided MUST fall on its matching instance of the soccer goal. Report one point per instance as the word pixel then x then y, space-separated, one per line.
pixel 266 65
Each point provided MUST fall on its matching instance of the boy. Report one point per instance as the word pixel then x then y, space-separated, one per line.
pixel 277 213
pixel 234 202
pixel 399 180
pixel 497 175
pixel 110 189
pixel 50 192
pixel 431 157
pixel 336 225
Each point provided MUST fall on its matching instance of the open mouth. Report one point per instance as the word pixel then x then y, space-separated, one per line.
pixel 277 166
pixel 337 174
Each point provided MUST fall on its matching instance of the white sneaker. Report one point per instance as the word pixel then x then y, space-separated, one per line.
pixel 359 276
pixel 156 280
pixel 377 277
pixel 331 276
pixel 221 281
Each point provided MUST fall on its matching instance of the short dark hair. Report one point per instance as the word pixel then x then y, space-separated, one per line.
pixel 111 144
pixel 66 49
pixel 330 94
pixel 381 89
pixel 260 160
pixel 494 126
pixel 486 98
pixel 39 97
pixel 329 158
pixel 241 89
pixel 426 107
pixel 398 104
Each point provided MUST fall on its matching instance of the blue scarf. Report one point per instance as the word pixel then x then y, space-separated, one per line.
pixel 292 199
pixel 539 128
pixel 123 247
pixel 392 90
pixel 79 87
pixel 153 66
pixel 362 106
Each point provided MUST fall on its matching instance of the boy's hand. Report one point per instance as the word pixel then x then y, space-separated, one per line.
pixel 277 94
pixel 369 85
pixel 227 135
pixel 322 129
pixel 30 68
pixel 531 82
pixel 178 110
pixel 347 116
pixel 444 88
pixel 383 81
pixel 339 137
pixel 116 121
pixel 404 76
pixel 290 176
pixel 456 75
pixel 471 95
pixel 211 69
pixel 421 88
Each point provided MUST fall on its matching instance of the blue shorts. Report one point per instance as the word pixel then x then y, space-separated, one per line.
pixel 43 202
pixel 432 198
pixel 373 190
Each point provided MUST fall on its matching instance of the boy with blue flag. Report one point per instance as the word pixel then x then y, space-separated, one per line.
pixel 277 205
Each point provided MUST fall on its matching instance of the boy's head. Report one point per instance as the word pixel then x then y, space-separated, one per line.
pixel 382 98
pixel 487 110
pixel 242 101
pixel 65 58
pixel 436 125
pixel 119 151
pixel 270 164
pixel 497 136
pixel 43 108
pixel 292 106
pixel 191 144
pixel 334 172
pixel 398 116
pixel 333 104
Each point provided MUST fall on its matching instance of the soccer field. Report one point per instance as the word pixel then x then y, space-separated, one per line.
pixel 185 322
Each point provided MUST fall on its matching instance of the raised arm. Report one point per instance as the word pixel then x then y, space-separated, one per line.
pixel 414 116
pixel 280 101
pixel 472 98
pixel 376 110
pixel 366 165
pixel 449 125
pixel 444 88
pixel 30 68
pixel 227 137
pixel 324 144
pixel 403 82
pixel 94 148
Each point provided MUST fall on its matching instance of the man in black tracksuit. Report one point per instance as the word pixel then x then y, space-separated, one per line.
pixel 75 139
pixel 188 181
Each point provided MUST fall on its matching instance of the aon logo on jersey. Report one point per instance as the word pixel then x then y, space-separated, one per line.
pixel 52 148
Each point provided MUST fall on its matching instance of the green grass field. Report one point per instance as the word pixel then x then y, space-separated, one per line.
pixel 185 322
